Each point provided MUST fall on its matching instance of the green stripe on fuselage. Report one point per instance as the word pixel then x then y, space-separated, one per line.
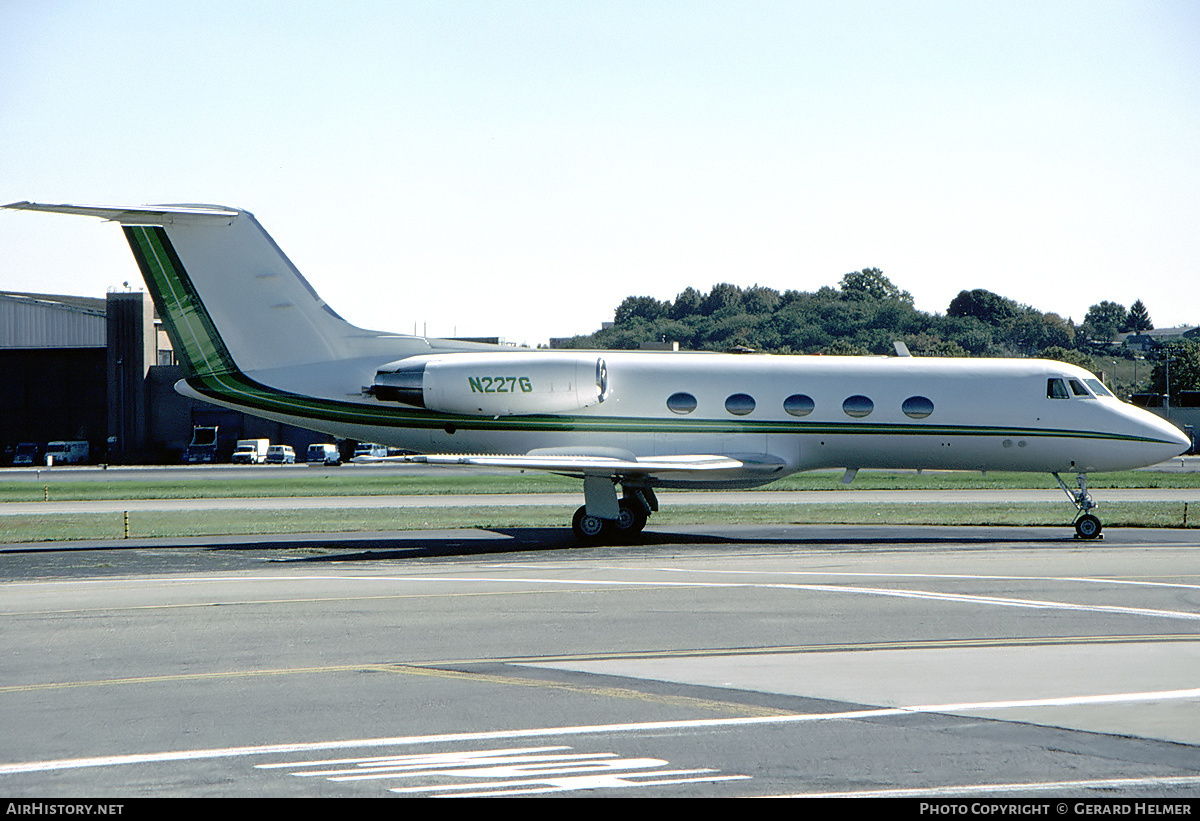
pixel 237 388
pixel 214 374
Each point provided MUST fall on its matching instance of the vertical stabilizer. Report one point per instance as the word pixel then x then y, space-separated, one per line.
pixel 228 296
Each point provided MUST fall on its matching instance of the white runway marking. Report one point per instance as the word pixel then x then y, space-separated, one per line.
pixel 597 729
pixel 1034 786
pixel 932 595
pixel 519 771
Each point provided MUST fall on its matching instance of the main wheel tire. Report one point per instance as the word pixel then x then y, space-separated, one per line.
pixel 589 529
pixel 631 521
pixel 1087 526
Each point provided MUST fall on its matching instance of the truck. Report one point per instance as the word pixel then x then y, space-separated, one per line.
pixel 251 451
pixel 27 453
pixel 203 447
pixel 67 452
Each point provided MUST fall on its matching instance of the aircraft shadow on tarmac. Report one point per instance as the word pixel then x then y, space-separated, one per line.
pixel 497 541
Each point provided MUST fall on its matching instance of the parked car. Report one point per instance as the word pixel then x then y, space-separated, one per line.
pixel 281 455
pixel 324 454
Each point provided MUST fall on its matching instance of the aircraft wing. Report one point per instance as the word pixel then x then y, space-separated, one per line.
pixel 613 463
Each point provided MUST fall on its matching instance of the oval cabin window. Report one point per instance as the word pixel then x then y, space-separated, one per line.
pixel 740 404
pixel 681 403
pixel 799 405
pixel 858 406
pixel 917 407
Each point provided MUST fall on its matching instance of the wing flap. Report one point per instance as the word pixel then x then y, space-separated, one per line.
pixel 719 467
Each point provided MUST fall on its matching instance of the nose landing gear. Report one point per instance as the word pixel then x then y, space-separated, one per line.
pixel 1087 524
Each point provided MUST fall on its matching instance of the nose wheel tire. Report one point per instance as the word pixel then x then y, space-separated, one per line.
pixel 1087 526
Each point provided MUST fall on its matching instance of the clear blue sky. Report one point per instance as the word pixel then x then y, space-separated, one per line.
pixel 518 168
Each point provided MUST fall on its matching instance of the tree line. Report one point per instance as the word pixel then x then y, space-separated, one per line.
pixel 863 315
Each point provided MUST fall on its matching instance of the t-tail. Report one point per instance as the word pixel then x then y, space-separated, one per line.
pixel 230 299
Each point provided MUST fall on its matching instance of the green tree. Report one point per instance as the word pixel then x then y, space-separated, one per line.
pixel 1025 333
pixel 871 283
pixel 987 307
pixel 845 347
pixel 724 296
pixel 686 304
pixel 759 299
pixel 1058 332
pixel 1182 359
pixel 1104 321
pixel 1071 357
pixel 940 348
pixel 970 332
pixel 640 307
pixel 1138 318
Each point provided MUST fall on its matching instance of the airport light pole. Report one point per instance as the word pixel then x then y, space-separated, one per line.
pixel 1167 395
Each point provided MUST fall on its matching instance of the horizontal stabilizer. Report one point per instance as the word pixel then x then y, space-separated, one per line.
pixel 132 215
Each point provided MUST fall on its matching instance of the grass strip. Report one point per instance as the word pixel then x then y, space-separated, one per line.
pixel 356 481
pixel 170 524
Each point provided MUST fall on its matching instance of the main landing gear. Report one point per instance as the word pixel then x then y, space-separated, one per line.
pixel 612 520
pixel 1087 524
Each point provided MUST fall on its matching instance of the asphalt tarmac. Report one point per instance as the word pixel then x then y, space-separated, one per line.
pixel 709 662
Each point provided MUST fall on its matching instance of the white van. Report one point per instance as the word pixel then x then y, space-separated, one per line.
pixel 67 453
pixel 324 454
pixel 281 455
pixel 370 449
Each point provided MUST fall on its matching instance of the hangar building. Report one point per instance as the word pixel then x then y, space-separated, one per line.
pixel 102 371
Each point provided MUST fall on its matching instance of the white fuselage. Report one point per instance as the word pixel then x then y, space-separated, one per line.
pixel 255 336
pixel 968 414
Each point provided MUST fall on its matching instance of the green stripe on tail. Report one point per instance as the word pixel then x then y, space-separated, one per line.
pixel 191 329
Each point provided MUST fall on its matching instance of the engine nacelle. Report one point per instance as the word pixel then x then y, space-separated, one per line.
pixel 495 384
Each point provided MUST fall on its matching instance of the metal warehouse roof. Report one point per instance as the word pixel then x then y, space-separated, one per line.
pixel 51 321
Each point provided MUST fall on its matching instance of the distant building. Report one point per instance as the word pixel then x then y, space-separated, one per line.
pixel 1149 340
pixel 53 367
pixel 102 371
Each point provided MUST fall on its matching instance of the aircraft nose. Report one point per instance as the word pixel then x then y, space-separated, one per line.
pixel 1172 435
pixel 1182 438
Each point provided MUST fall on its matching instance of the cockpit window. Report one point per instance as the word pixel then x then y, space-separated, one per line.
pixel 1078 389
pixel 1056 389
pixel 1098 387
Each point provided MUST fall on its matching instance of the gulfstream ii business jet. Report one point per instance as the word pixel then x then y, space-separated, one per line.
pixel 254 336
